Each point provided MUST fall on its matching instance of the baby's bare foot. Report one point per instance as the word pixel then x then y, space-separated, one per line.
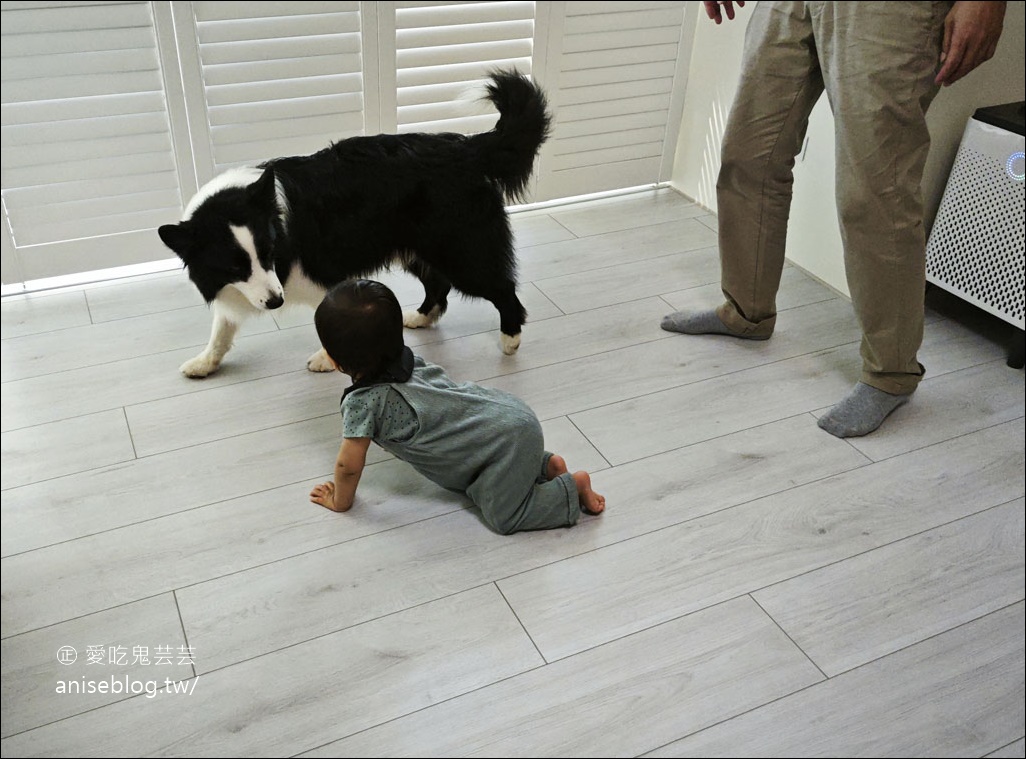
pixel 555 467
pixel 591 502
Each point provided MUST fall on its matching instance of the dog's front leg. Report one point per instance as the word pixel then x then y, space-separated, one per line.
pixel 222 333
pixel 319 362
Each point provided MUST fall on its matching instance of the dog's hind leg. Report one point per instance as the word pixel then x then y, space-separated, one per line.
pixel 436 293
pixel 512 316
pixel 222 334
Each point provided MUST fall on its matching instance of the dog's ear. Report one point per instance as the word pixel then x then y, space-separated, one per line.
pixel 261 194
pixel 178 237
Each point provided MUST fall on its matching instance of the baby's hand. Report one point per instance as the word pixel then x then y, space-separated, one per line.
pixel 324 495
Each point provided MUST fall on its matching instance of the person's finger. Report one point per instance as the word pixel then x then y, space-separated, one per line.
pixel 728 7
pixel 952 61
pixel 945 47
pixel 946 44
pixel 712 10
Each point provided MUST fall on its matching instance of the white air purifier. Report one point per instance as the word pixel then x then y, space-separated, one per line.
pixel 977 247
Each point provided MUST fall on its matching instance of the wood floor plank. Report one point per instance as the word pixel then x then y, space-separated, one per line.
pixel 591 599
pixel 537 230
pixel 32 674
pixel 71 393
pixel 223 412
pixel 949 345
pixel 681 485
pixel 1011 751
pixel 958 694
pixel 243 614
pixel 70 507
pixel 584 383
pixel 124 300
pixel 628 212
pixel 665 681
pixel 711 221
pixel 583 291
pixel 563 438
pixel 668 419
pixel 874 604
pixel 52 450
pixel 95 344
pixel 550 341
pixel 43 312
pixel 305 696
pixel 796 289
pixel 557 259
pixel 48 585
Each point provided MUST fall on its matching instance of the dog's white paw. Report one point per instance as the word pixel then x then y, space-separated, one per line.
pixel 416 320
pixel 199 367
pixel 510 343
pixel 319 362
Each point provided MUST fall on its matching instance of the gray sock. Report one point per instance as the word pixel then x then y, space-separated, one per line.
pixel 861 411
pixel 701 323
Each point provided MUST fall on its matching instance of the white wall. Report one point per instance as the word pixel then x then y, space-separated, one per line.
pixel 814 242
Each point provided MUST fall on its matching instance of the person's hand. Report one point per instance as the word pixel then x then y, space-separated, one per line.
pixel 324 495
pixel 971 33
pixel 712 9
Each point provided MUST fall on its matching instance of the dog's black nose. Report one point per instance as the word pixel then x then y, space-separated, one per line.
pixel 275 301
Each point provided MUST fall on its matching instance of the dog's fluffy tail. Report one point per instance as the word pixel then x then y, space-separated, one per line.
pixel 510 148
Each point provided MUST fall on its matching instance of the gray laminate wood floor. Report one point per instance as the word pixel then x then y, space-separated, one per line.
pixel 756 587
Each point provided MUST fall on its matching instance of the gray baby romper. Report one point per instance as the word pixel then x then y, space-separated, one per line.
pixel 470 439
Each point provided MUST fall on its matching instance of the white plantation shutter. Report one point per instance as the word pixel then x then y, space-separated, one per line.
pixel 279 78
pixel 87 148
pixel 617 109
pixel 443 49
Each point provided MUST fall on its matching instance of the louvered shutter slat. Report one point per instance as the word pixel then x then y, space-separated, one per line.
pixel 76 41
pixel 218 10
pixel 408 79
pixel 285 71
pixel 293 108
pixel 67 192
pixel 257 92
pixel 61 152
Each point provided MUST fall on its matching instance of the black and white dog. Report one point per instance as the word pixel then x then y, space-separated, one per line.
pixel 253 239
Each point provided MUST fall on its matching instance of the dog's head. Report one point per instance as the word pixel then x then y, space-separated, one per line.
pixel 227 238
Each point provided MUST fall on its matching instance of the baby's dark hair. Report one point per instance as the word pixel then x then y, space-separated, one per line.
pixel 360 325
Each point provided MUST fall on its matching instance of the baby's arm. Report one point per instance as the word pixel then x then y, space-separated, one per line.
pixel 339 495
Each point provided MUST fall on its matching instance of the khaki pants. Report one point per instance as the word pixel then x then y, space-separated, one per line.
pixel 876 61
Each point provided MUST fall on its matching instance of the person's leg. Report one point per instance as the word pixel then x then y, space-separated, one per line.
pixel 507 508
pixel 879 61
pixel 552 466
pixel 513 496
pixel 780 82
